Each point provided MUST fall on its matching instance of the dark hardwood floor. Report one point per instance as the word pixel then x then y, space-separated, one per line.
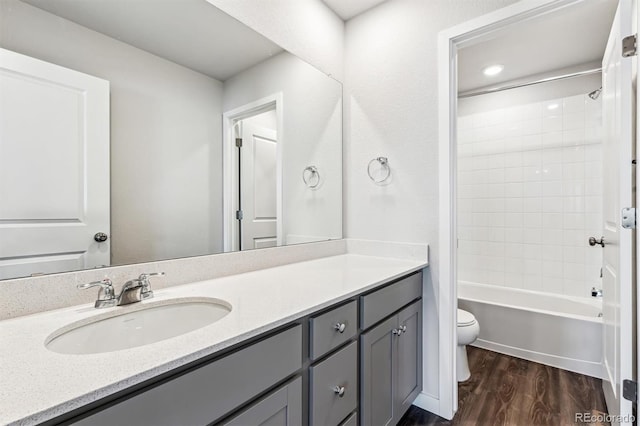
pixel 504 390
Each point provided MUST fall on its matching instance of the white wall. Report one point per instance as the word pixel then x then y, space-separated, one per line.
pixel 306 28
pixel 530 190
pixel 166 175
pixel 312 136
pixel 391 110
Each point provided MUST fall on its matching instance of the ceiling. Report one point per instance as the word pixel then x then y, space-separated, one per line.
pixel 347 9
pixel 192 33
pixel 571 36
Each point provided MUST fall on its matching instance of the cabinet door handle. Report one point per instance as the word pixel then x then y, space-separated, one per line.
pixel 339 390
pixel 403 328
pixel 340 327
pixel 397 331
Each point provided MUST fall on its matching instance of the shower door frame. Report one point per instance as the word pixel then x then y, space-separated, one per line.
pixel 449 41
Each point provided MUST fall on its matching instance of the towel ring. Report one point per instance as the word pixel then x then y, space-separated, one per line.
pixel 307 175
pixel 384 165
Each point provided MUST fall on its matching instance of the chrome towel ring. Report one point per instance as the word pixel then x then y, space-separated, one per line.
pixel 309 175
pixel 383 173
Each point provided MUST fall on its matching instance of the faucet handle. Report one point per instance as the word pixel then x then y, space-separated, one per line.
pixel 106 295
pixel 146 292
pixel 146 276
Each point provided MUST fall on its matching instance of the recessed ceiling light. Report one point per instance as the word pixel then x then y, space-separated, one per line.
pixel 493 70
pixel 552 106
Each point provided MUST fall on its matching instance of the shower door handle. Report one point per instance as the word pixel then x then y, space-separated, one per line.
pixel 593 241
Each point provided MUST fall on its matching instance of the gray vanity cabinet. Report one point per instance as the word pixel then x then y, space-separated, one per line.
pixel 391 368
pixel 357 362
pixel 409 359
pixel 281 408
pixel 207 393
pixel 378 353
pixel 334 387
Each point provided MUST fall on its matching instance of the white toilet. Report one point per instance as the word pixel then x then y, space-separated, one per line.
pixel 468 330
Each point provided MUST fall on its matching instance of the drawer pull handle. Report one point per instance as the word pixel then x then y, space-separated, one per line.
pixel 339 390
pixel 340 327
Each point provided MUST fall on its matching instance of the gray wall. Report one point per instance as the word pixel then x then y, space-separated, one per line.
pixel 391 109
pixel 166 174
pixel 312 115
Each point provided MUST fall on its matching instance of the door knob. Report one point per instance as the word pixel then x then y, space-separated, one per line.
pixel 101 237
pixel 593 241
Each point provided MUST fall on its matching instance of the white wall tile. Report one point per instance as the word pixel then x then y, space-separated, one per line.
pixel 552 139
pixel 552 252
pixel 552 220
pixel 513 280
pixel 573 137
pixel 574 254
pixel 513 189
pixel 573 121
pixel 513 235
pixel 551 156
pixel 532 282
pixel 552 124
pixel 530 195
pixel 573 104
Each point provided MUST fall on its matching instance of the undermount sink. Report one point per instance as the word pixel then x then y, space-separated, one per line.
pixel 139 325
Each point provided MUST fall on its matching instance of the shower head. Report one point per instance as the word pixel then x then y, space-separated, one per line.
pixel 595 94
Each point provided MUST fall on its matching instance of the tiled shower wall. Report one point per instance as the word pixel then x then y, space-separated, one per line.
pixel 530 196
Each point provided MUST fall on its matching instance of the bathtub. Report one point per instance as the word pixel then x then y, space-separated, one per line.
pixel 560 331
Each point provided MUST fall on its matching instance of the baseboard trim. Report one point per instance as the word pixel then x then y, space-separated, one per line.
pixel 587 368
pixel 428 403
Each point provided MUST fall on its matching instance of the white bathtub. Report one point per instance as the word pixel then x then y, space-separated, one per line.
pixel 555 330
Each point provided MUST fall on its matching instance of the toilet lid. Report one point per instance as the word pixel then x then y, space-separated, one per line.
pixel 465 318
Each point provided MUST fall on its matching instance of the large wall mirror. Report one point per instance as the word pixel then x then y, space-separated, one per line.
pixel 137 130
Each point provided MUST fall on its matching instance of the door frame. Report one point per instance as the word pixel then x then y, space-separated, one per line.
pixel 449 41
pixel 230 188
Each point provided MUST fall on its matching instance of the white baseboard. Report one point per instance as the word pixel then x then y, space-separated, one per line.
pixel 593 369
pixel 428 403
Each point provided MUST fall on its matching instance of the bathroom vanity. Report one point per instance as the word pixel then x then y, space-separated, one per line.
pixel 308 369
pixel 331 341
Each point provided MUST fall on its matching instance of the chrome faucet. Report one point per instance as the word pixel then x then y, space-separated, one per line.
pixel 132 291
pixel 136 290
pixel 106 295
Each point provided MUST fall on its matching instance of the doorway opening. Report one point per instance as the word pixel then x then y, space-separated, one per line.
pixel 253 175
pixel 518 195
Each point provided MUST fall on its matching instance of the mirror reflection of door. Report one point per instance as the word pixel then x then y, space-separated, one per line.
pixel 258 181
pixel 54 168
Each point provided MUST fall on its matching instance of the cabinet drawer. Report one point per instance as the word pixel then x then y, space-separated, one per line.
pixel 282 407
pixel 382 303
pixel 332 329
pixel 202 396
pixel 328 405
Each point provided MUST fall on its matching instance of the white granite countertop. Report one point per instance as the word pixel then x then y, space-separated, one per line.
pixel 37 384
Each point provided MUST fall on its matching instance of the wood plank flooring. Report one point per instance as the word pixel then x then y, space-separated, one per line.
pixel 509 391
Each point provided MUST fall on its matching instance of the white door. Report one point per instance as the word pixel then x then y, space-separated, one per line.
pixel 617 280
pixel 54 167
pixel 258 187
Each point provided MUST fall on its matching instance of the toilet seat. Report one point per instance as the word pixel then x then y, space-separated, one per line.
pixel 465 318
